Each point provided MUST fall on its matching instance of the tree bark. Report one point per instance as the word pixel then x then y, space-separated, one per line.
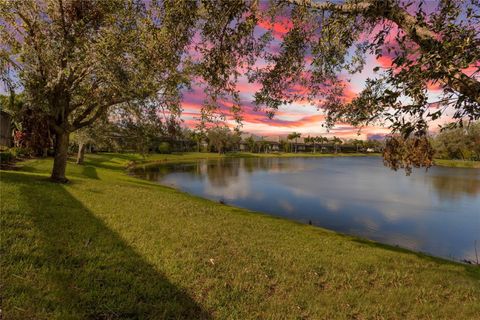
pixel 81 153
pixel 61 154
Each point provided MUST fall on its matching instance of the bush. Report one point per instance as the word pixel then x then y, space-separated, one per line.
pixel 6 156
pixel 164 147
pixel 19 152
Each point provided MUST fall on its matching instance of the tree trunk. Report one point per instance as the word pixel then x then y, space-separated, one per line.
pixel 60 160
pixel 81 153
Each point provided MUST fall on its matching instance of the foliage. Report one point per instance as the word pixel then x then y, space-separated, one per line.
pixel 326 39
pixel 164 148
pixel 19 152
pixel 6 156
pixel 458 143
pixel 74 60
pixel 294 136
pixel 251 144
pixel 426 48
pixel 408 153
pixel 221 138
pixel 140 125
pixel 31 131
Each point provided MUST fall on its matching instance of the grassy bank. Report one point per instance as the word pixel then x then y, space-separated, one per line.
pixel 109 246
pixel 457 163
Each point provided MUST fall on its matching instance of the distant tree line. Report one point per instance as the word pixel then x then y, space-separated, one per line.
pixel 458 143
pixel 141 128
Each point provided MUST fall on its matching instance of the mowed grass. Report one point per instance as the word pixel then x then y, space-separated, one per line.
pixel 457 163
pixel 110 246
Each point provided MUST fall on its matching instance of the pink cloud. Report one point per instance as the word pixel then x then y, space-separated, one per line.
pixel 279 28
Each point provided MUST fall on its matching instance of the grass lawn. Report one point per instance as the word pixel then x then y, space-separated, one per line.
pixel 110 246
pixel 457 163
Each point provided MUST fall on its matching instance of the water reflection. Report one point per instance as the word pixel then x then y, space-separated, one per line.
pixel 435 211
pixel 457 183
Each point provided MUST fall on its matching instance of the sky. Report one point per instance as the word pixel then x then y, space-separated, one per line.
pixel 298 116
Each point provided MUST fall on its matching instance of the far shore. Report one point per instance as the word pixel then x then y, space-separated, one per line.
pixel 458 163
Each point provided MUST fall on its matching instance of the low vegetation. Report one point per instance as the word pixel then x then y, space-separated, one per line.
pixel 457 163
pixel 107 245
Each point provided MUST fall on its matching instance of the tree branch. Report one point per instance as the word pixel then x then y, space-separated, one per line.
pixel 424 37
pixel 79 123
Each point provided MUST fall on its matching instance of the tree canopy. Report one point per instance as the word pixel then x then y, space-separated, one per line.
pixel 75 59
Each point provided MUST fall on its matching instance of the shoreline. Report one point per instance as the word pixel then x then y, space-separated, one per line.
pixel 151 247
pixel 457 163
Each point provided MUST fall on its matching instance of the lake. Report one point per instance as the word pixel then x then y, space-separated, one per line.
pixel 435 211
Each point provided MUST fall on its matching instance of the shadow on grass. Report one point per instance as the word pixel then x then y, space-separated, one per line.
pixel 90 172
pixel 108 161
pixel 77 266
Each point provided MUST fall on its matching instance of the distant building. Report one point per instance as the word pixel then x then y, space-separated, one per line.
pixel 264 144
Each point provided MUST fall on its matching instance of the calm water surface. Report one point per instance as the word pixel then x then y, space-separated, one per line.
pixel 436 212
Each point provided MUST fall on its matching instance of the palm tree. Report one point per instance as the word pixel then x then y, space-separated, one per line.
pixel 336 142
pixel 294 135
pixel 198 137
pixel 316 140
pixel 309 140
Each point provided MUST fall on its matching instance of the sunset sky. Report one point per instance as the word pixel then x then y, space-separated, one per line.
pixel 299 116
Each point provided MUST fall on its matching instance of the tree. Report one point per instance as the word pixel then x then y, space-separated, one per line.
pixel 357 143
pixel 98 134
pixel 198 137
pixel 336 143
pixel 144 124
pixel 251 144
pixel 309 140
pixel 74 60
pixel 426 48
pixel 315 140
pixel 218 137
pixel 422 54
pixel 30 131
pixel 473 134
pixel 458 143
pixel 284 146
pixel 294 136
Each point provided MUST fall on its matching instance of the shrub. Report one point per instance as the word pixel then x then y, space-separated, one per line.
pixel 6 156
pixel 19 152
pixel 164 147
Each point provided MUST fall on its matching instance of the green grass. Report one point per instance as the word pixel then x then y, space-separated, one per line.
pixel 110 246
pixel 457 163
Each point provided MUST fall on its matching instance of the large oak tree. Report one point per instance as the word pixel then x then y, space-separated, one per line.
pixel 75 59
